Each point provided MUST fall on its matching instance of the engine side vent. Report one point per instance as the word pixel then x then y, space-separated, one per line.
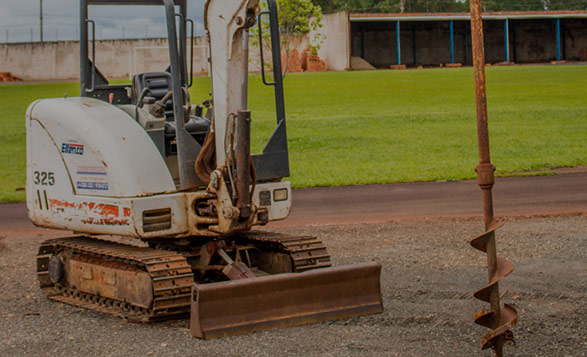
pixel 157 220
pixel 265 198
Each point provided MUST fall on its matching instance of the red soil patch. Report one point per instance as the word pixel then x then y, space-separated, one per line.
pixel 7 77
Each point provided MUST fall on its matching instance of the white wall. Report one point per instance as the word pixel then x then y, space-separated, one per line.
pixel 123 58
pixel 114 58
pixel 335 50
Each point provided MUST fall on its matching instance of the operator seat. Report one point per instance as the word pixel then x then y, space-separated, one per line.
pixel 158 84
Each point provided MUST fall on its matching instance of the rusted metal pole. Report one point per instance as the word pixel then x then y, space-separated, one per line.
pixel 485 169
pixel 41 20
pixel 243 162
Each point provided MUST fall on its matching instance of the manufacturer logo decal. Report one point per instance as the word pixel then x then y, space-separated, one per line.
pixel 75 149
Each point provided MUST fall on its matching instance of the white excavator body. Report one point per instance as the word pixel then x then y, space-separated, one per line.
pixel 137 160
pixel 91 167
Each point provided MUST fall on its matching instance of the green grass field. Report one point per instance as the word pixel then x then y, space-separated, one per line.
pixel 347 128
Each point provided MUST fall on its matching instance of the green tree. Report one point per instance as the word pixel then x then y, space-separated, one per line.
pixel 509 5
pixel 365 6
pixel 297 18
pixel 435 6
pixel 374 6
pixel 566 4
pixel 393 6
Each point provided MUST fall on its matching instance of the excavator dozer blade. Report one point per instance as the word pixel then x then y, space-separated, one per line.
pixel 283 300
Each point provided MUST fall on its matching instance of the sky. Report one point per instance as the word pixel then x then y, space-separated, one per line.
pixel 19 20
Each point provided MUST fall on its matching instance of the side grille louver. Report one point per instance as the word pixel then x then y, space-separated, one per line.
pixel 157 220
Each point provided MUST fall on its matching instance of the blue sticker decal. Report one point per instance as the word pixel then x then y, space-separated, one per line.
pixel 92 185
pixel 90 173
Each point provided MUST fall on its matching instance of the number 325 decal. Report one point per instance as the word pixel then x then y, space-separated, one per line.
pixel 44 178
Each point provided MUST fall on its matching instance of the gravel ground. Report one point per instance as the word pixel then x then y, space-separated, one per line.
pixel 429 274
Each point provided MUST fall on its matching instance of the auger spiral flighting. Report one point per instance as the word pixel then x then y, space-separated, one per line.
pixel 500 319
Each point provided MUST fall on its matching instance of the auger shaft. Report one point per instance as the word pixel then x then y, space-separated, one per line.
pixel 485 169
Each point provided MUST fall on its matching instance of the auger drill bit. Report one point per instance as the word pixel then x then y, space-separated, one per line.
pixel 500 318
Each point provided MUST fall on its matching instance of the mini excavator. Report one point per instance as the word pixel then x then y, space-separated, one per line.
pixel 182 189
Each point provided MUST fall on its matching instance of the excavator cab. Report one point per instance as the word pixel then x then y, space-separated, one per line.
pixel 150 87
pixel 138 160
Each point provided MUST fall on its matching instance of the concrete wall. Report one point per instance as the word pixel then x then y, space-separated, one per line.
pixel 543 35
pixel 123 58
pixel 335 48
pixel 428 42
pixel 49 60
pixel 114 58
pixel 422 43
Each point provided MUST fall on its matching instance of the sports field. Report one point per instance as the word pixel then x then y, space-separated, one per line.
pixel 347 128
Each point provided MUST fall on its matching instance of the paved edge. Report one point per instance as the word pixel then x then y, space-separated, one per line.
pixel 562 194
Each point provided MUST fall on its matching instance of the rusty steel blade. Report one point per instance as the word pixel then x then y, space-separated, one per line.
pixel 283 300
pixel 508 319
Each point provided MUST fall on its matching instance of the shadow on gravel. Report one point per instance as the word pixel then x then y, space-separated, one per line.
pixel 2 245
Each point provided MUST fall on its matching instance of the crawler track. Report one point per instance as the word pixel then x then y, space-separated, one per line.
pixel 171 277
pixel 306 252
pixel 169 273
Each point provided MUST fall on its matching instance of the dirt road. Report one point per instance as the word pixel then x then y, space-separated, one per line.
pixel 561 194
pixel 429 274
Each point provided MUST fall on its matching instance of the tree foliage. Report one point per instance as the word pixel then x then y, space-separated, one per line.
pixel 509 5
pixel 394 6
pixel 533 5
pixel 566 4
pixel 296 19
pixel 372 6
